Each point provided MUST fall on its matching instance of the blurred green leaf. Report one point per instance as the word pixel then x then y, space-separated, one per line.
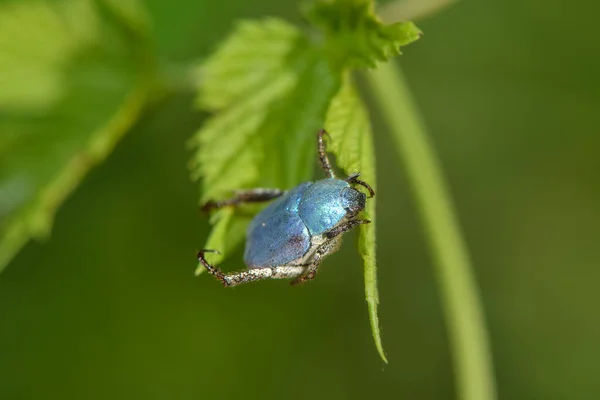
pixel 270 90
pixel 347 122
pixel 131 12
pixel 37 40
pixel 74 76
pixel 354 35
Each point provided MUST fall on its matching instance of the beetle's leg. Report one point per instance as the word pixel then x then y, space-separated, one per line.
pixel 354 179
pixel 244 196
pixel 326 248
pixel 345 227
pixel 311 270
pixel 309 273
pixel 250 275
pixel 322 147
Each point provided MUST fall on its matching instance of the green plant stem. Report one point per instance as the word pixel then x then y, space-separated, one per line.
pixel 411 10
pixel 461 303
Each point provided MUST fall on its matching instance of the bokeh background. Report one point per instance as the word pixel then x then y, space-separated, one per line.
pixel 109 307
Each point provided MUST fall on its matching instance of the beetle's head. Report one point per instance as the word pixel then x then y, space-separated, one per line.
pixel 353 200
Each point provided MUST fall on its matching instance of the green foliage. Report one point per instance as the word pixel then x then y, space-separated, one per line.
pixel 74 77
pixel 348 124
pixel 354 35
pixel 263 48
pixel 76 73
pixel 271 88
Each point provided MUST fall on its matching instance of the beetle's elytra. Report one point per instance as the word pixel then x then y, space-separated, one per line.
pixel 290 238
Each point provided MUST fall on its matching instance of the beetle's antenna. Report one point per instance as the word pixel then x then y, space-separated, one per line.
pixel 354 179
pixel 322 148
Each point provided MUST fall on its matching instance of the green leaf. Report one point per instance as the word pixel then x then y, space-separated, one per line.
pixel 348 124
pixel 269 89
pixel 74 78
pixel 253 54
pixel 354 35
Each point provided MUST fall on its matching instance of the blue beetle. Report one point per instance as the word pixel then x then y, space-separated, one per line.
pixel 290 237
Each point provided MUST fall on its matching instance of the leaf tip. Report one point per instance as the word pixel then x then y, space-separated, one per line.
pixel 382 355
pixel 374 319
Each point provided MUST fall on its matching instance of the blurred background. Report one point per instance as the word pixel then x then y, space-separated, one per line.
pixel 108 307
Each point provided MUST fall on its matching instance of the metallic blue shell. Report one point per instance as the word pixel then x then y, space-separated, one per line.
pixel 321 205
pixel 277 241
pixel 277 235
pixel 282 232
pixel 287 202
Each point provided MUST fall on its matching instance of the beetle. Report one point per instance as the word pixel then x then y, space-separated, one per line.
pixel 291 236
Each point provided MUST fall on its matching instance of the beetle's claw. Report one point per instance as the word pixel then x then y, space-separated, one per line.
pixel 208 206
pixel 200 254
pixel 353 178
pixel 216 272
pixel 323 132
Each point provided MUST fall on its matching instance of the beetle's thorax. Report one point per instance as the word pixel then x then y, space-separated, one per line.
pixel 352 200
pixel 326 202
